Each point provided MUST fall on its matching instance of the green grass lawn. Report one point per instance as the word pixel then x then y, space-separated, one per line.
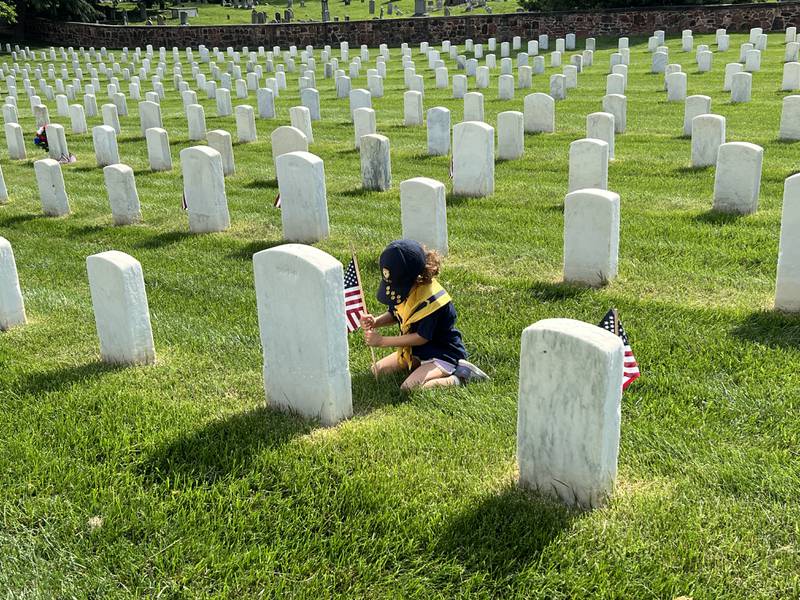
pixel 176 481
pixel 216 14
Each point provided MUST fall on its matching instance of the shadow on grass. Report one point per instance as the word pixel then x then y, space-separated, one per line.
pixel 713 217
pixel 41 382
pixel 505 532
pixel 246 251
pixel 369 394
pixel 549 291
pixel 348 151
pixel 224 446
pixel 261 184
pixel 771 328
pixel 17 219
pixel 164 239
pixel 459 199
pixel 689 170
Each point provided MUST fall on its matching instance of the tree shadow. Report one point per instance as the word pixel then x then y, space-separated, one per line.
pixel 713 217
pixel 164 239
pixel 504 532
pixel 771 328
pixel 549 291
pixel 224 446
pixel 40 382
pixel 246 251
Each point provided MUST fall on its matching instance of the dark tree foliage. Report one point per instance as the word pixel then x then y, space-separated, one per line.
pixel 566 5
pixel 70 10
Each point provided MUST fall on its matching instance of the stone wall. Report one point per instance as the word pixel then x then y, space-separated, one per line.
pixel 701 19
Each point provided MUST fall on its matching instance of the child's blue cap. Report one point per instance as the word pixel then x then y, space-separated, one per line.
pixel 401 263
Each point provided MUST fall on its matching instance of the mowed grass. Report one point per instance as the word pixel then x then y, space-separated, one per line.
pixel 176 480
pixel 357 10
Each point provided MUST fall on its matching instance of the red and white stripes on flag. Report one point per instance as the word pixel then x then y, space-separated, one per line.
pixel 630 368
pixel 353 297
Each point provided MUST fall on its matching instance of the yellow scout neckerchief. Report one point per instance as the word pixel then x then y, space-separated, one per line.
pixel 424 300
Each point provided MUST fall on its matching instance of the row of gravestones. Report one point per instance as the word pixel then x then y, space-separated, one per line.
pixel 568 428
pixel 541 465
pixel 588 159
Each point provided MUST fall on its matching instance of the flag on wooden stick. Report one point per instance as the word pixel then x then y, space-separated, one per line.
pixel 630 368
pixel 278 200
pixel 353 297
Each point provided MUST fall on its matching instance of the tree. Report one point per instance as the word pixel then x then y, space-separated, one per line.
pixel 71 10
pixel 8 14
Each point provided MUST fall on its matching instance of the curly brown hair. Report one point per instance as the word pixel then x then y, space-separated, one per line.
pixel 433 262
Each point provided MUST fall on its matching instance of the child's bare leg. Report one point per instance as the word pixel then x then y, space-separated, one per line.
pixel 386 365
pixel 427 376
pixel 443 381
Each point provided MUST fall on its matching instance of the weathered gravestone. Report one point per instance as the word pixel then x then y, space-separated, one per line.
pixel 568 428
pixel 204 189
pixel 540 113
pixel 287 139
pixel 122 194
pixel 305 367
pixel 12 306
pixel 787 284
pixel 220 140
pixel 158 151
pixel 106 150
pixel 196 122
pixel 473 159
pixel 588 164
pixel 790 119
pixel 52 192
pixel 363 123
pixel 304 204
pixel 510 135
pixel 300 118
pixel 15 141
pixel 738 178
pixel 591 236
pixel 694 107
pixel 246 124
pixel 600 126
pixel 423 210
pixel 120 306
pixel 438 123
pixel 376 164
pixel 708 134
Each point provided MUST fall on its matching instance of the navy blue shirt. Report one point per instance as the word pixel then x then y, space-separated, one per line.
pixel 444 340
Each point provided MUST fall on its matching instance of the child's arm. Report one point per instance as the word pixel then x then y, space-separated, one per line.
pixel 375 339
pixel 370 322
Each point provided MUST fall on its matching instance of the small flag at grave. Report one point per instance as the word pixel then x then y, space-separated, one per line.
pixel 354 305
pixel 630 368
pixel 278 200
pixel 184 206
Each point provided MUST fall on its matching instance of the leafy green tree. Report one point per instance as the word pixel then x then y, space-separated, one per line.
pixel 8 14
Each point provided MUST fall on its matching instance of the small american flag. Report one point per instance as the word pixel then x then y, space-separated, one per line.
pixel 278 200
pixel 353 297
pixel 630 368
